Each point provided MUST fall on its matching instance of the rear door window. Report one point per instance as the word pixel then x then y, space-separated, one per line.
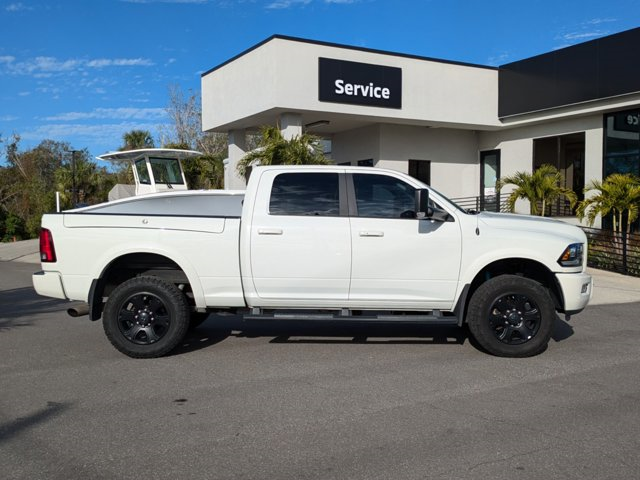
pixel 305 194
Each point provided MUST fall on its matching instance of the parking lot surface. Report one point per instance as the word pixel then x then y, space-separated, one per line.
pixel 303 400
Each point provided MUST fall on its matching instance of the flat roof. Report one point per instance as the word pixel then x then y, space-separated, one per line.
pixel 346 47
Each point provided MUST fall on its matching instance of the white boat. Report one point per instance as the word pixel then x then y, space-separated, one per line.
pixel 154 170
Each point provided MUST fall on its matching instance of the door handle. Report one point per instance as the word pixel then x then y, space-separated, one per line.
pixel 370 233
pixel 269 231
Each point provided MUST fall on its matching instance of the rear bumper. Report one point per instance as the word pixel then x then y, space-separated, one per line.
pixel 577 289
pixel 48 284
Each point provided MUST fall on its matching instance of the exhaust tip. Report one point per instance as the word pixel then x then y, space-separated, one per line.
pixel 78 311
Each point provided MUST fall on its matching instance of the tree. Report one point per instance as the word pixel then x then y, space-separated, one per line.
pixel 185 132
pixel 32 181
pixel 203 172
pixel 540 187
pixel 136 139
pixel 274 149
pixel 185 128
pixel 92 183
pixel 617 194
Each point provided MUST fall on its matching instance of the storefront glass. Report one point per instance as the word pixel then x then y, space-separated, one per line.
pixel 622 143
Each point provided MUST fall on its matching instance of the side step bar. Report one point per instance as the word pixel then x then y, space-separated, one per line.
pixel 433 317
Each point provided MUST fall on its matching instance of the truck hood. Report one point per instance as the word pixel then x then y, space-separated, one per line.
pixel 529 223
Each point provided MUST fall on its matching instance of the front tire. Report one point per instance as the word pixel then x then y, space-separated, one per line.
pixel 511 316
pixel 146 317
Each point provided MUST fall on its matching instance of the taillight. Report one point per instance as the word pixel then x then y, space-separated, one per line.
pixel 47 250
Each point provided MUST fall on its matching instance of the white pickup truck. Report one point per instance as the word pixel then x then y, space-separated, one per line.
pixel 351 243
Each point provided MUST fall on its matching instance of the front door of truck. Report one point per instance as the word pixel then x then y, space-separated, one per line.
pixel 399 261
pixel 300 238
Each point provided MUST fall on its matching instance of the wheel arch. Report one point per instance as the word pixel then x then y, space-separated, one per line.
pixel 130 265
pixel 524 267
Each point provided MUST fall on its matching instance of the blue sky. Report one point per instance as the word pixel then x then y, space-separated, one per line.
pixel 86 71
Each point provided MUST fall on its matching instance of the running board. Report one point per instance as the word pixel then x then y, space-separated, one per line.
pixel 434 317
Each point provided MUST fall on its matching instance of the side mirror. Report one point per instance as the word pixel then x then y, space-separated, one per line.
pixel 423 210
pixel 422 203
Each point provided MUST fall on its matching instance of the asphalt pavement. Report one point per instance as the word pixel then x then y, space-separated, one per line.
pixel 310 400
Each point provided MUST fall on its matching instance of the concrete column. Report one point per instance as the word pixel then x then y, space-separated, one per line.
pixel 594 140
pixel 291 125
pixel 236 150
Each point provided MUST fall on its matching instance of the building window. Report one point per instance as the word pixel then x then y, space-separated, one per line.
pixel 566 153
pixel 366 163
pixel 622 143
pixel 420 170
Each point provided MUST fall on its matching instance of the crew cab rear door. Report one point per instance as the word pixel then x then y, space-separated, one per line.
pixel 300 240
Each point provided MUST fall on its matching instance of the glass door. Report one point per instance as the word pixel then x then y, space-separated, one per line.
pixel 489 175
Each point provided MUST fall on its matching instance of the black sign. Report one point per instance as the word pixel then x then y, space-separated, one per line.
pixel 627 122
pixel 359 83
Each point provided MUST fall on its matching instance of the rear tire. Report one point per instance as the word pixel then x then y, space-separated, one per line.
pixel 146 317
pixel 511 316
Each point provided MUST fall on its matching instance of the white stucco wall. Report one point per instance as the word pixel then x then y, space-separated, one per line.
pixel 283 74
pixel 516 146
pixel 453 153
pixel 358 144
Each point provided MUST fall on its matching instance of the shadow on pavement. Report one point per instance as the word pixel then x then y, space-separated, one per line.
pixel 217 328
pixel 20 302
pixel 14 427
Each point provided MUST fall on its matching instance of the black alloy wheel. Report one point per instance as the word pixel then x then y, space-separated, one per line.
pixel 514 319
pixel 143 319
pixel 146 317
pixel 511 316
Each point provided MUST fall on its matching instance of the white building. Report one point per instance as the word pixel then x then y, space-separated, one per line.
pixel 455 126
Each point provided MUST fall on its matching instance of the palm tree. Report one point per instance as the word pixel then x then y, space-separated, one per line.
pixel 540 187
pixel 617 194
pixel 136 139
pixel 274 149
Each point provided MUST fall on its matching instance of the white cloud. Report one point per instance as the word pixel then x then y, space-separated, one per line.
pixel 8 118
pixel 582 35
pixel 282 4
pixel 584 31
pixel 499 59
pixel 166 1
pixel 120 62
pixel 598 21
pixel 46 66
pixel 17 7
pixel 124 113
pixel 106 134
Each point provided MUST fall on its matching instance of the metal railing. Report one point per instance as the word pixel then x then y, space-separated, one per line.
pixel 615 252
pixel 493 204
pixel 487 204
